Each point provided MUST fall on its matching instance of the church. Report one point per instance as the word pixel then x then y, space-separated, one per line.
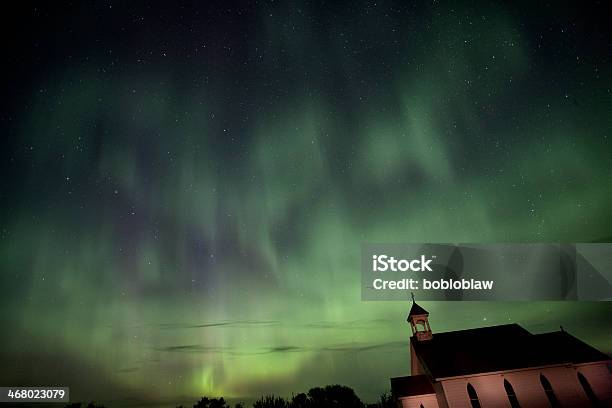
pixel 500 366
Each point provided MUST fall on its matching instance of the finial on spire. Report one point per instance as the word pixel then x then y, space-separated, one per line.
pixel 412 294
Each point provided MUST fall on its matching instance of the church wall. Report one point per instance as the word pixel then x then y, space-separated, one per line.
pixel 490 390
pixel 566 386
pixel 415 365
pixel 428 401
pixel 600 378
pixel 528 389
pixel 440 394
pixel 526 384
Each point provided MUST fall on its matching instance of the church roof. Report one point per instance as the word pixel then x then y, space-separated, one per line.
pixel 416 310
pixel 499 348
pixel 411 385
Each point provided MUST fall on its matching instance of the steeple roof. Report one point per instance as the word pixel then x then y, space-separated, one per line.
pixel 416 310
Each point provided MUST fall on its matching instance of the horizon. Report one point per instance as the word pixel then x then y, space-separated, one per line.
pixel 351 359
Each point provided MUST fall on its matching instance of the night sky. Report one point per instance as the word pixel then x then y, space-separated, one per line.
pixel 185 188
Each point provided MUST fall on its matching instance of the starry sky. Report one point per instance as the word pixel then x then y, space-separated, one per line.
pixel 186 186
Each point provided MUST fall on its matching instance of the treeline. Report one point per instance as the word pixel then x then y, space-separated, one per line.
pixel 331 396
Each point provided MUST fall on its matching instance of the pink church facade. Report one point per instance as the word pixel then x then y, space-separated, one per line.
pixel 501 366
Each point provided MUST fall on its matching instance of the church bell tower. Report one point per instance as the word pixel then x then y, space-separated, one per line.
pixel 419 322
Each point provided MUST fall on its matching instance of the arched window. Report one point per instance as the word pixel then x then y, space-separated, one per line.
pixel 511 395
pixel 422 406
pixel 588 390
pixel 552 398
pixel 473 396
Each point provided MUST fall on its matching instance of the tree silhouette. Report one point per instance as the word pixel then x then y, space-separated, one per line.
pixel 270 401
pixel 334 396
pixel 385 401
pixel 300 401
pixel 211 403
pixel 330 396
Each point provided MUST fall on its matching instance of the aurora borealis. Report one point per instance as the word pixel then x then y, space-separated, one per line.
pixel 185 187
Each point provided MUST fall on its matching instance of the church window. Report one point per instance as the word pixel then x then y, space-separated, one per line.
pixel 550 393
pixel 511 395
pixel 473 396
pixel 588 390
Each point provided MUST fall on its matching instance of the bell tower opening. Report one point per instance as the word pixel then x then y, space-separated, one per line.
pixel 419 322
